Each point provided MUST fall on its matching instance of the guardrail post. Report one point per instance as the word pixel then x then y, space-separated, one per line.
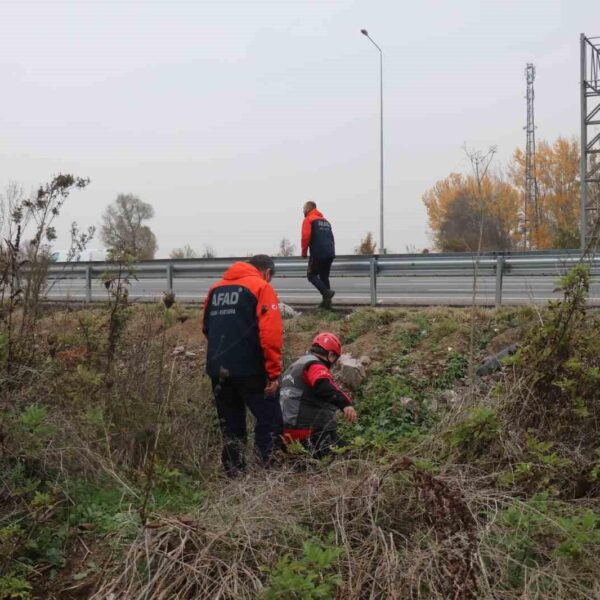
pixel 88 283
pixel 373 280
pixel 170 277
pixel 499 280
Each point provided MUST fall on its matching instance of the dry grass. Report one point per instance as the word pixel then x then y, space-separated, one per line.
pixel 404 534
pixel 434 525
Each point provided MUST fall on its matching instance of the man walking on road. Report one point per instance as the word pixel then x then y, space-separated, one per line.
pixel 318 237
pixel 243 326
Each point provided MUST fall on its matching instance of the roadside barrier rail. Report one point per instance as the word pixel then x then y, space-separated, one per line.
pixel 492 264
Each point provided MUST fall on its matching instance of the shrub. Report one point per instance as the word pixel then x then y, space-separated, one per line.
pixel 14 587
pixel 456 368
pixel 310 577
pixel 537 533
pixel 473 436
pixel 389 406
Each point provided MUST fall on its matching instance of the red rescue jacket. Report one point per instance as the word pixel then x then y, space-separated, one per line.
pixel 309 398
pixel 243 325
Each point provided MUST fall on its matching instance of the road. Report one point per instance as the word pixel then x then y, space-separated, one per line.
pixel 349 290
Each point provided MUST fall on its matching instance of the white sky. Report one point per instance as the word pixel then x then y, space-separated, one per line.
pixel 226 116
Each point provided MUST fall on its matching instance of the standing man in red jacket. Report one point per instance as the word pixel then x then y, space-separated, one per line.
pixel 317 237
pixel 243 326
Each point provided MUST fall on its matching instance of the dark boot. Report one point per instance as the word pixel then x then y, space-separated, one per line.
pixel 327 296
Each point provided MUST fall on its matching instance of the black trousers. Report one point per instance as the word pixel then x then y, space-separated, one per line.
pixel 232 397
pixel 318 273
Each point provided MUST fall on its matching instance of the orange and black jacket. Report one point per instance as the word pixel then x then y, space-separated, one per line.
pixel 243 325
pixel 317 235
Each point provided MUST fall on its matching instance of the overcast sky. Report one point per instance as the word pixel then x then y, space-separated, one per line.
pixel 227 116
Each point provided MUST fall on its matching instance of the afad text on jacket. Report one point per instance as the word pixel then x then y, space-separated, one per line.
pixel 242 322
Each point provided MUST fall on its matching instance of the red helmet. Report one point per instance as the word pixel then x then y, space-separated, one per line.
pixel 329 342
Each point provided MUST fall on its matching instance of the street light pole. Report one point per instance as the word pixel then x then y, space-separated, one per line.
pixel 381 238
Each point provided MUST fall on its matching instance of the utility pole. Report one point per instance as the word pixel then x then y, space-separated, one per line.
pixel 381 240
pixel 530 210
pixel 590 120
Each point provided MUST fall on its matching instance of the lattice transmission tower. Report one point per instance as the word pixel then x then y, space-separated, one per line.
pixel 590 140
pixel 530 210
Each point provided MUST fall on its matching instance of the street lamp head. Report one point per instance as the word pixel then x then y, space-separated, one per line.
pixel 364 32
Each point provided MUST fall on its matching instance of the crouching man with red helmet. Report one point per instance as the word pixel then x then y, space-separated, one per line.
pixel 310 398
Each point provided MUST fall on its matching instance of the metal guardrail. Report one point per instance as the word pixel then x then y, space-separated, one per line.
pixel 495 264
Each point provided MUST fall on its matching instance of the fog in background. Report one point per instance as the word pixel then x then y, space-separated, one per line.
pixel 227 116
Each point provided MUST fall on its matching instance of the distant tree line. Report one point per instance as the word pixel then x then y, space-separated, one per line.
pixel 188 252
pixel 464 213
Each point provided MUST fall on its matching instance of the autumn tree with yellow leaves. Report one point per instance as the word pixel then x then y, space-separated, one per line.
pixel 459 214
pixel 554 222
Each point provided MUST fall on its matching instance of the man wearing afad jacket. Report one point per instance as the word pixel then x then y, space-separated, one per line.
pixel 243 326
pixel 317 237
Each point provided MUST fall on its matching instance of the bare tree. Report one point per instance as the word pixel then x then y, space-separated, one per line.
pixel 186 252
pixel 28 229
pixel 11 201
pixel 367 245
pixel 286 248
pixel 123 228
pixel 480 164
pixel 209 252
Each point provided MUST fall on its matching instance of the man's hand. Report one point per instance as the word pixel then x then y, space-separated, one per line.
pixel 271 387
pixel 350 414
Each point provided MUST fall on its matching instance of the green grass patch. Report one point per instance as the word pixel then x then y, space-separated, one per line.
pixel 364 320
pixel 389 406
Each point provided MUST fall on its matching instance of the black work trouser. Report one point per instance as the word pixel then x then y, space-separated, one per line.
pixel 232 396
pixel 318 273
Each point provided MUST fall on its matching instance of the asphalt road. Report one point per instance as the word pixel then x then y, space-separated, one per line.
pixel 349 290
